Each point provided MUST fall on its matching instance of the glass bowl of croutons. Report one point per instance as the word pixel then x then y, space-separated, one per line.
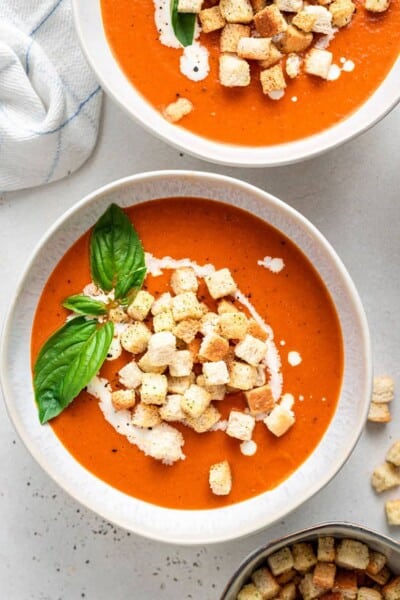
pixel 247 82
pixel 204 339
pixel 331 561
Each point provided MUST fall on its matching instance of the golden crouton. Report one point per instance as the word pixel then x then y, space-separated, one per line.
pixel 365 593
pixel 270 21
pixel 318 62
pixel 213 347
pixel 233 325
pixel 186 330
pixel 249 592
pixel 392 590
pixel 324 575
pixel 211 19
pixel 195 400
pixel 179 385
pixel 377 6
pixel 342 12
pixel 258 5
pixel 304 21
pixel 205 421
pixel 189 6
pixel 226 306
pixel 240 425
pixel 220 480
pixel 281 561
pixel 118 315
pixel 135 337
pixel 123 399
pixel 393 454
pixel 146 365
pixel 154 388
pixel 220 283
pixel 385 477
pixel 182 364
pixel 287 576
pixel 383 389
pixel 382 577
pixel 295 40
pixel 215 373
pixel 292 6
pixel 161 348
pixel 184 280
pixel 253 327
pixel 236 11
pixel 254 48
pixel 140 307
pixel 272 79
pixel 171 410
pixel 265 582
pixel 217 392
pixel 303 557
pixel 130 375
pixel 163 302
pixel 351 554
pixel 326 549
pixel 186 306
pixel 274 56
pixel 164 321
pixel 346 583
pixel 293 65
pixel 376 562
pixel 233 71
pixel 241 376
pixel 392 508
pixel 260 400
pixel 279 420
pixel 175 111
pixel 307 588
pixel 379 413
pixel 146 416
pixel 230 36
pixel 209 323
pixel 288 592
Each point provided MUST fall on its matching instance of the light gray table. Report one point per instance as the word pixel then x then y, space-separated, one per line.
pixel 50 547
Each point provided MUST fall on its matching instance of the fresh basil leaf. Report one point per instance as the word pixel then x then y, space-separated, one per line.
pixel 84 305
pixel 116 253
pixel 183 24
pixel 67 362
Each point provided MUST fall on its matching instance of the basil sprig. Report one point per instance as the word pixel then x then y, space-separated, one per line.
pixel 116 254
pixel 75 353
pixel 183 24
pixel 67 362
pixel 84 305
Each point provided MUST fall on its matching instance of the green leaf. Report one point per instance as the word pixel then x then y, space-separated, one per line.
pixel 116 253
pixel 67 362
pixel 84 305
pixel 183 24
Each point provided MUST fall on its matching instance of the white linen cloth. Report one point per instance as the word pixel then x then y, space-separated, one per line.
pixel 49 99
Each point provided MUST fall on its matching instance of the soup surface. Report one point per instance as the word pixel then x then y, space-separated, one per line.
pixel 245 115
pixel 294 302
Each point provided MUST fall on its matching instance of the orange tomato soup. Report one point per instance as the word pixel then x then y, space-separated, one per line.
pixel 294 302
pixel 246 115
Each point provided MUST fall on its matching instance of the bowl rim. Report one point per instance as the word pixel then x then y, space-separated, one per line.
pixel 343 528
pixel 179 538
pixel 89 26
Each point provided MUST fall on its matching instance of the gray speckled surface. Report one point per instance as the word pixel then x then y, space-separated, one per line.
pixel 50 547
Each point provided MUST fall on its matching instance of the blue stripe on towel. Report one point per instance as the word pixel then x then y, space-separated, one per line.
pixel 36 28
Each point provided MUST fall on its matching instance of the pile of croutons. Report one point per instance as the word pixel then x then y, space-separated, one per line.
pixel 186 358
pixel 281 36
pixel 328 569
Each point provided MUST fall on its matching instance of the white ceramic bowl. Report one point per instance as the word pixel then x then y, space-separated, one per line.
pixel 380 543
pixel 92 36
pixel 192 526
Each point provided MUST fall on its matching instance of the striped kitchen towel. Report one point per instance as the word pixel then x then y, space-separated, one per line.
pixel 49 99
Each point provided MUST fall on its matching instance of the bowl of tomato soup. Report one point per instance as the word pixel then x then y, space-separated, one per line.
pixel 297 361
pixel 324 89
